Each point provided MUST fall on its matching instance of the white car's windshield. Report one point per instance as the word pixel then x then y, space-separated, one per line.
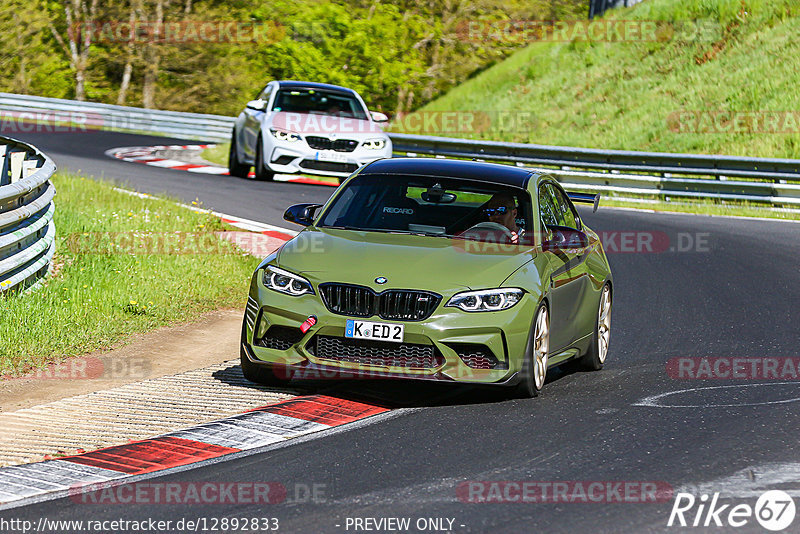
pixel 319 102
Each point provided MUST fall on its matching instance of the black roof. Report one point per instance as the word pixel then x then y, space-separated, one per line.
pixel 469 170
pixel 292 84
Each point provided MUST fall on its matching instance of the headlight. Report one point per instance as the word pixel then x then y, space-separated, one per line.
pixel 374 144
pixel 283 135
pixel 282 281
pixel 486 299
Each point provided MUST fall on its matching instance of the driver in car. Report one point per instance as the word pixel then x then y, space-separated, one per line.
pixel 502 209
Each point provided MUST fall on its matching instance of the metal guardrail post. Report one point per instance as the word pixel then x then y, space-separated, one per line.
pixel 27 230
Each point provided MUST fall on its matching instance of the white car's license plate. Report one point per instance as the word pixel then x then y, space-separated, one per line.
pixel 380 331
pixel 330 155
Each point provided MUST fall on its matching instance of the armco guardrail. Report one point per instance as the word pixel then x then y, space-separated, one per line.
pixel 759 180
pixel 27 231
pixel 625 170
pixel 94 116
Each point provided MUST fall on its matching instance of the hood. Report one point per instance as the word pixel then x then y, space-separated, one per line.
pixel 408 261
pixel 323 125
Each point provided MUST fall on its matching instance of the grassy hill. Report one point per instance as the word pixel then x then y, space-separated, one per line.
pixel 687 91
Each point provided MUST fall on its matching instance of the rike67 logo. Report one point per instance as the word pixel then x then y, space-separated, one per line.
pixel 774 511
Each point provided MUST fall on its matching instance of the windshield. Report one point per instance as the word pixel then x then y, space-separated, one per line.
pixel 437 206
pixel 314 101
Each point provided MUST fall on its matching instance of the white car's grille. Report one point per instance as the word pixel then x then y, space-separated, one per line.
pixel 324 143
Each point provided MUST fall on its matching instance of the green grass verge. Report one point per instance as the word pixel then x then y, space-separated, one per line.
pixel 101 297
pixel 217 154
pixel 625 95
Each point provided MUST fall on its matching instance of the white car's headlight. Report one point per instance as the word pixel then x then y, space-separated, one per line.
pixel 283 135
pixel 374 144
pixel 486 299
pixel 283 281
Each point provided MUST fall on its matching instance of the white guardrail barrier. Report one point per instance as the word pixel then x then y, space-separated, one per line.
pixel 745 179
pixel 27 231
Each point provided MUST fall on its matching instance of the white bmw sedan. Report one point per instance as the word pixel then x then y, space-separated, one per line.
pixel 306 127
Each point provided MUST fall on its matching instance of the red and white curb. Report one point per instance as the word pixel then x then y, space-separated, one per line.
pixel 269 425
pixel 149 155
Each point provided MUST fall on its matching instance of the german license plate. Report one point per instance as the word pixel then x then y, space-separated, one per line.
pixel 379 331
pixel 330 155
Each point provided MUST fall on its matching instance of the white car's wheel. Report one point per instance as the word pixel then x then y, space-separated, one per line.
pixel 235 166
pixel 262 173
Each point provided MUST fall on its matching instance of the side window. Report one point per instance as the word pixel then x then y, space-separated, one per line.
pixel 566 216
pixel 547 206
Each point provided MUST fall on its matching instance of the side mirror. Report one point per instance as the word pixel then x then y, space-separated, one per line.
pixel 377 116
pixel 564 238
pixel 257 105
pixel 302 214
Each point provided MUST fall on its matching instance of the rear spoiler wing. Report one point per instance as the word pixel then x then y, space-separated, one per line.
pixel 586 198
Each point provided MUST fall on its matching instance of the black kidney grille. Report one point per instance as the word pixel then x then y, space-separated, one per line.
pixel 344 299
pixel 407 305
pixel 392 304
pixel 368 352
pixel 339 145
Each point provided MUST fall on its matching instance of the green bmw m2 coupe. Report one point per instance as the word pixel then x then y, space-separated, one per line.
pixel 432 269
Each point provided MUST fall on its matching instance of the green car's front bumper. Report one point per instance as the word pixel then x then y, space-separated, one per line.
pixel 449 331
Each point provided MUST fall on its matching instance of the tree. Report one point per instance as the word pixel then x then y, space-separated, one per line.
pixel 79 16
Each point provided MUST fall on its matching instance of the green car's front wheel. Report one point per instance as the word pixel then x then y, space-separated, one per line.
pixel 534 365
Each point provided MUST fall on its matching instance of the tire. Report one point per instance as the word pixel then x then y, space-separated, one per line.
pixel 262 374
pixel 235 167
pixel 262 174
pixel 596 356
pixel 534 365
